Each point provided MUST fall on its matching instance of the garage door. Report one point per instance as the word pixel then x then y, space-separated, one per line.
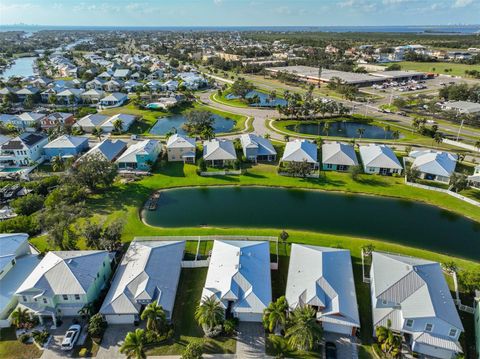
pixel 336 328
pixel 70 312
pixel 120 319
pixel 249 317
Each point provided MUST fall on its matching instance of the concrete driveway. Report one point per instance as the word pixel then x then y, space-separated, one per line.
pixel 347 348
pixel 112 341
pixel 53 351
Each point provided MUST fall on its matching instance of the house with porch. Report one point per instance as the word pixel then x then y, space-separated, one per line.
pixel 107 149
pixel 181 148
pixel 219 152
pixel 380 159
pixel 257 148
pixel 149 272
pixel 338 156
pixel 17 261
pixel 30 120
pixel 301 151
pixel 239 278
pixel 115 99
pixel 412 295
pixel 63 283
pixel 434 165
pixel 140 156
pixel 322 278
pixel 22 150
pixel 66 146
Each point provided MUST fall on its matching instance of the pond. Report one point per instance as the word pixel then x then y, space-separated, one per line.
pixel 342 129
pixel 166 124
pixel 400 221
pixel 263 99
pixel 22 67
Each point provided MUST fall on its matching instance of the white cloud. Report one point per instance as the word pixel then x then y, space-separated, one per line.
pixel 217 2
pixel 462 3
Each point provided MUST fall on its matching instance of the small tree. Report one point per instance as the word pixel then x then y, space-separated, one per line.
pixel 458 182
pixel 209 314
pixel 470 279
pixel 355 171
pixel 28 204
pixel 96 326
pixel 94 172
pixel 202 165
pixel 299 169
pixel 134 345
pixel 412 174
pixel 304 331
pixel 284 235
pixel 193 350
pixel 275 314
pixel 390 343
pixel 155 316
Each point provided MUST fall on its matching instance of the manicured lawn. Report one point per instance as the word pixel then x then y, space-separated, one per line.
pixel 186 329
pixel 11 348
pixel 224 101
pixel 438 67
pixel 276 345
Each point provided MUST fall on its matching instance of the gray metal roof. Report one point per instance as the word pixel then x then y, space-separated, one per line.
pixel 219 149
pixel 180 141
pixel 110 149
pixel 299 151
pixel 338 153
pixel 434 162
pixel 379 156
pixel 264 146
pixel 66 141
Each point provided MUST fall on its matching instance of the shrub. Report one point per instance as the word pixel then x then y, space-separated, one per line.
pixel 236 165
pixel 202 165
pixel 151 337
pixel 83 352
pixel 229 326
pixel 96 326
pixel 24 338
pixel 194 350
pixel 28 204
pixel 41 337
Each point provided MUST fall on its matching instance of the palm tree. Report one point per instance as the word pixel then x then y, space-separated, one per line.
pixel 134 345
pixel 304 331
pixel 118 125
pixel 20 316
pixel 57 163
pixel 326 127
pixel 155 316
pixel 360 132
pixel 209 313
pixel 389 342
pixel 97 132
pixel 275 314
pixel 438 138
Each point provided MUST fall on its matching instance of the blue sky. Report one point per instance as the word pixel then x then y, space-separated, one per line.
pixel 239 12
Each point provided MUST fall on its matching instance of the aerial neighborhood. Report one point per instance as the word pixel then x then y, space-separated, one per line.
pixel 239 192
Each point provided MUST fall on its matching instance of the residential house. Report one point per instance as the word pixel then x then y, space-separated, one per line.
pixel 257 148
pixel 125 119
pixel 57 119
pixel 140 156
pixel 115 99
pixel 301 151
pixel 181 148
pixel 322 278
pixel 66 146
pixel 477 322
pixel 108 149
pixel 170 85
pixel 105 76
pixel 379 159
pixel 64 282
pixel 6 91
pixel 93 96
pixel 70 96
pixel 149 272
pixel 121 74
pixel 22 150
pixel 30 120
pixel 474 180
pixel 462 107
pixel 412 296
pixel 434 165
pixel 113 85
pixel 12 120
pixel 95 84
pixel 50 93
pixel 89 122
pixel 219 152
pixel 239 278
pixel 16 262
pixel 338 156
pixel 26 91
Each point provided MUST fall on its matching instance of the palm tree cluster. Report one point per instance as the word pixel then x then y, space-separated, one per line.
pixel 210 315
pixel 390 343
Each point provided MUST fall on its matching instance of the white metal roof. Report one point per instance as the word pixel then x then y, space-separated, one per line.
pixel 92 120
pixel 338 153
pixel 9 245
pixel 379 156
pixel 127 121
pixel 264 146
pixel 434 162
pixel 219 150
pixel 299 151
pixel 239 271
pixel 323 277
pixel 66 141
pixel 149 271
pixel 143 147
pixel 180 141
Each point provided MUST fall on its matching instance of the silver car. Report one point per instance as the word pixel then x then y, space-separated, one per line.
pixel 71 337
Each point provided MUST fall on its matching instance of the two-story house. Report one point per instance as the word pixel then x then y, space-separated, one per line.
pixel 140 156
pixel 64 282
pixel 22 150
pixel 181 148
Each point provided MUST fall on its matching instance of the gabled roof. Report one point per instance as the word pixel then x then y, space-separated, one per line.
pixel 116 96
pixel 180 141
pixel 264 146
pixel 240 271
pixel 67 141
pixel 64 272
pixel 92 120
pixel 93 92
pixel 9 245
pixel 434 162
pixel 59 116
pixel 31 116
pixel 149 271
pixel 338 153
pixel 126 119
pixel 71 92
pixel 219 150
pixel 25 140
pixel 299 151
pixel 144 147
pixel 109 149
pixel 416 285
pixel 323 277
pixel 380 156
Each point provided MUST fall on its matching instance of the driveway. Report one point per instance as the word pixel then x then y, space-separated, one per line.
pixel 53 351
pixel 112 340
pixel 250 340
pixel 347 348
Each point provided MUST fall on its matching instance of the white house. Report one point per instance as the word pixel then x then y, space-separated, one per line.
pixel 115 99
pixel 219 151
pixel 322 278
pixel 463 107
pixel 338 156
pixel 149 272
pixel 108 149
pixel 126 120
pixel 413 296
pixel 379 159
pixel 257 148
pixel 474 180
pixel 434 165
pixel 140 156
pixel 181 148
pixel 30 120
pixel 22 150
pixel 89 122
pixel 239 278
pixel 301 151
pixel 16 262
pixel 93 95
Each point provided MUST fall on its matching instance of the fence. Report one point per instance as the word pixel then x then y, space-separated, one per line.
pixel 5 323
pixel 453 194
pixel 221 173
pixel 312 175
pixel 461 145
pixel 196 263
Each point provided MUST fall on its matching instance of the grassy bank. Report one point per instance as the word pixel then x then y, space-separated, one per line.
pixel 438 67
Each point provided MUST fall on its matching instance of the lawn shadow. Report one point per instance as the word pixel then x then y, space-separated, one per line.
pixel 174 169
pixel 371 181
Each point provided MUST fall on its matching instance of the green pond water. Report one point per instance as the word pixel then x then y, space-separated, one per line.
pixel 394 220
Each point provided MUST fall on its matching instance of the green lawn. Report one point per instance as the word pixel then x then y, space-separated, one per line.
pixel 186 330
pixel 234 102
pixel 11 348
pixel 438 67
pixel 277 345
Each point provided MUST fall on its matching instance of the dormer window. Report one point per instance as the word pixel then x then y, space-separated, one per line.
pixel 453 332
pixel 429 327
pixel 409 323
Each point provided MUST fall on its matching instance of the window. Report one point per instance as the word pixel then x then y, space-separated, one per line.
pixel 77 296
pixel 409 323
pixel 428 327
pixel 24 298
pixel 453 332
pixel 384 302
pixel 45 300
pixel 65 297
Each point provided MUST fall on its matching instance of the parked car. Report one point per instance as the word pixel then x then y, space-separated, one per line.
pixel 330 350
pixel 71 337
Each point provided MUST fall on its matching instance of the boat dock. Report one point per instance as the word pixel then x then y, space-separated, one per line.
pixel 152 203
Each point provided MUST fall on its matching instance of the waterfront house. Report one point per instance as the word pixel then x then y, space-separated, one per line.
pixel 66 146
pixel 338 156
pixel 149 272
pixel 412 295
pixel 22 150
pixel 434 165
pixel 57 119
pixel 301 151
pixel 181 148
pixel 115 99
pixel 107 149
pixel 322 278
pixel 64 282
pixel 16 262
pixel 219 152
pixel 89 122
pixel 379 159
pixel 257 148
pixel 239 278
pixel 140 156
pixel 126 120
pixel 474 180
